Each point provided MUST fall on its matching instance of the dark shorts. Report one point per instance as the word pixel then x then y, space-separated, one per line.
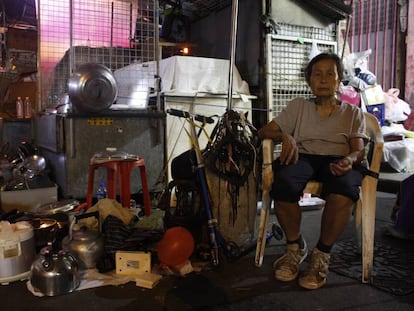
pixel 290 180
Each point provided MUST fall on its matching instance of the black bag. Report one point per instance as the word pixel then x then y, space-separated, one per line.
pixel 175 26
pixel 188 211
pixel 183 166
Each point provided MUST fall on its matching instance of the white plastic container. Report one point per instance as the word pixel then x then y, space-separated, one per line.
pixel 17 251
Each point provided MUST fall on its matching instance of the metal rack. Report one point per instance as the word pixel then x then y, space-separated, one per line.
pixel 114 33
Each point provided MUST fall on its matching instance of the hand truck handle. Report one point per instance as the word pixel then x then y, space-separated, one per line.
pixel 185 114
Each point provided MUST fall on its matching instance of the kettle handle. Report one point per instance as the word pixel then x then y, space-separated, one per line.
pixel 87 215
pixel 82 216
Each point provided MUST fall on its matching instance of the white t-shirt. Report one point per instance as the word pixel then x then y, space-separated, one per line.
pixel 322 136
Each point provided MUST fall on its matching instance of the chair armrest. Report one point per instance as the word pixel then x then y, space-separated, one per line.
pixel 375 134
pixel 268 146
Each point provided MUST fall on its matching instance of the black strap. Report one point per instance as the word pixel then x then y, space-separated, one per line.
pixel 371 173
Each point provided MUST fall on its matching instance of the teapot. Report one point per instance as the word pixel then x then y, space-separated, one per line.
pixel 54 272
pixel 85 244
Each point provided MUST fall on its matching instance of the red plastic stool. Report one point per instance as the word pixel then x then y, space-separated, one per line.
pixel 121 169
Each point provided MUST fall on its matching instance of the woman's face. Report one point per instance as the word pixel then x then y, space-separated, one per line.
pixel 324 79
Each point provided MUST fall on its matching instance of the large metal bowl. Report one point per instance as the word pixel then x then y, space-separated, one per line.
pixel 92 88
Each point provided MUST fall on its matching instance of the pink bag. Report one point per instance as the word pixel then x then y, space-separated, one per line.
pixel 348 94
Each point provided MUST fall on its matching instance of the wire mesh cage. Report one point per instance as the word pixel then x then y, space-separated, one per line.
pixel 114 33
pixel 288 53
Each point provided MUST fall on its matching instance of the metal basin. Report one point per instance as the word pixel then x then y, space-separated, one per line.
pixel 92 88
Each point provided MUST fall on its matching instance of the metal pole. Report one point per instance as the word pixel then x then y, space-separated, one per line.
pixel 158 56
pixel 233 39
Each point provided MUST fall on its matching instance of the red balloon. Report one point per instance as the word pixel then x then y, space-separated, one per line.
pixel 176 246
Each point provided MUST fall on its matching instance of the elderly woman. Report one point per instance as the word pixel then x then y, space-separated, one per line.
pixel 322 139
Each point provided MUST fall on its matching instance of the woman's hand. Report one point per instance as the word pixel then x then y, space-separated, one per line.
pixel 342 167
pixel 289 154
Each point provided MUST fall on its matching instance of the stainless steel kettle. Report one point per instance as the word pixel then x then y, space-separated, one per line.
pixel 54 272
pixel 85 244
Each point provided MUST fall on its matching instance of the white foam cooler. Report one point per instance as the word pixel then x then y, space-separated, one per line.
pixel 17 251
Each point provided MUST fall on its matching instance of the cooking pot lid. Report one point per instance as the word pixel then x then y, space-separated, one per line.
pixel 57 207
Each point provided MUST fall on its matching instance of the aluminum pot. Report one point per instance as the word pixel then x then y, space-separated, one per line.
pixel 92 88
pixel 54 272
pixel 60 212
pixel 44 231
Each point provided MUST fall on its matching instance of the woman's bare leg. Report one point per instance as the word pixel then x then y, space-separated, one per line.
pixel 335 218
pixel 289 216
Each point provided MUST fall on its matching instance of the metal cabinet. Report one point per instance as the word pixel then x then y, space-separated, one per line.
pixel 68 143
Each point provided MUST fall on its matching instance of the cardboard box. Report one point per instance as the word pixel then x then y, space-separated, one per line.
pixel 148 280
pixel 373 95
pixel 27 200
pixel 378 111
pixel 373 101
pixel 132 263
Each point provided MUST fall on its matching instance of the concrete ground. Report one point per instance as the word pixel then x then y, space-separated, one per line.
pixel 233 286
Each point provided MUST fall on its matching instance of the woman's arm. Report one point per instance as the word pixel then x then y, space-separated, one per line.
pixel 289 153
pixel 356 155
pixel 272 131
pixel 357 149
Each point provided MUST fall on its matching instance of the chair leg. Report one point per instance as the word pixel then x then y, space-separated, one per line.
pixel 145 191
pixel 369 186
pixel 126 168
pixel 358 223
pixel 89 194
pixel 111 174
pixel 262 232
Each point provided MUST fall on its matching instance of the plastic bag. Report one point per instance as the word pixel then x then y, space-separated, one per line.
pixel 396 110
pixel 314 50
pixel 348 94
pixel 356 71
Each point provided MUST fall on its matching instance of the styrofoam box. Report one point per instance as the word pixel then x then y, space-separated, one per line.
pixel 27 200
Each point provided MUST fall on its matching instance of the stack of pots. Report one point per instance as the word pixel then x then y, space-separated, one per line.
pixel 51 222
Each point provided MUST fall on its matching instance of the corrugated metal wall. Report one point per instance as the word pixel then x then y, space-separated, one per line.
pixel 374 26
